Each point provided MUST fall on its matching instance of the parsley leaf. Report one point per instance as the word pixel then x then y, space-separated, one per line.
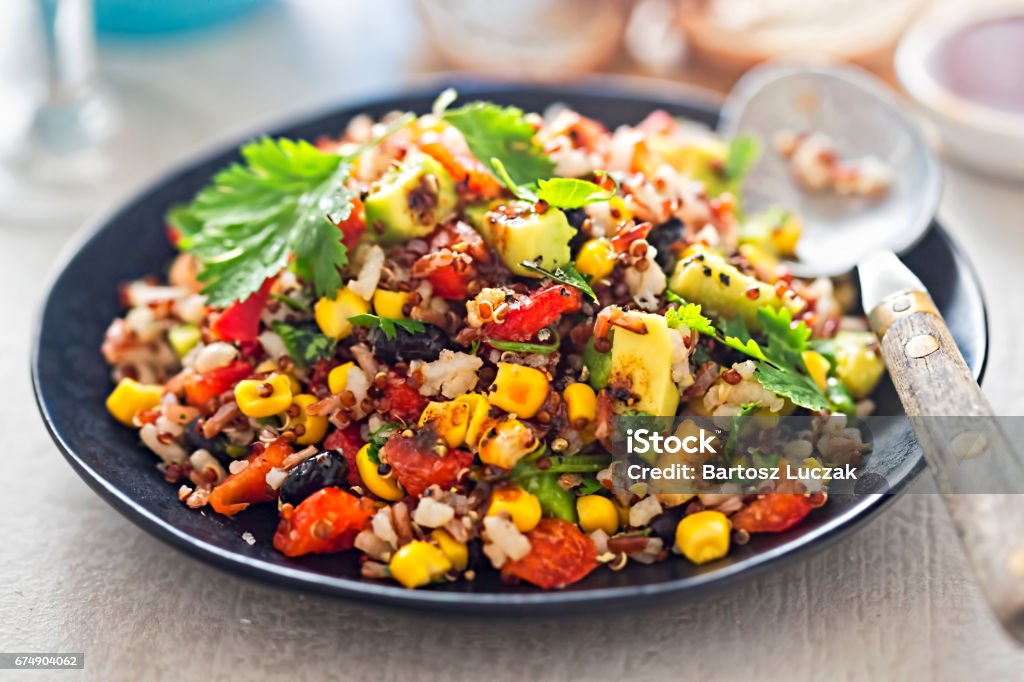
pixel 564 274
pixel 378 438
pixel 256 215
pixel 743 153
pixel 503 133
pixel 589 486
pixel 305 347
pixel 688 315
pixel 565 193
pixel 387 324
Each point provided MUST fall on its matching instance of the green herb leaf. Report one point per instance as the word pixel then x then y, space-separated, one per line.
pixel 378 438
pixel 524 347
pixel 305 347
pixel 799 388
pixel 524 192
pixel 503 133
pixel 257 214
pixel 564 274
pixel 589 486
pixel 292 303
pixel 689 315
pixel 744 151
pixel 737 424
pixel 571 193
pixel 387 325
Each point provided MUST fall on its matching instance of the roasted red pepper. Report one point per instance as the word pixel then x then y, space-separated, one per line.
pixel 200 388
pixel 353 227
pixel 528 315
pixel 240 321
pixel 406 403
pixel 773 513
pixel 417 464
pixel 455 249
pixel 325 522
pixel 464 167
pixel 249 486
pixel 560 554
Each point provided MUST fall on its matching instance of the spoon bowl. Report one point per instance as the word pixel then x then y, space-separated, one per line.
pixel 857 111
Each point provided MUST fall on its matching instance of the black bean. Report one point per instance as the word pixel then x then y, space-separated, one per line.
pixel 195 440
pixel 664 524
pixel 662 238
pixel 406 347
pixel 328 469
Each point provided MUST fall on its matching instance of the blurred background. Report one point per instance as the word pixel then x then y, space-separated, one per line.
pixel 99 94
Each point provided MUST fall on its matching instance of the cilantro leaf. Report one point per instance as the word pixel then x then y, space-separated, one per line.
pixel 571 193
pixel 737 425
pixel 589 486
pixel 492 131
pixel 689 315
pixel 305 347
pixel 387 325
pixel 799 388
pixel 564 274
pixel 378 438
pixel 743 153
pixel 255 215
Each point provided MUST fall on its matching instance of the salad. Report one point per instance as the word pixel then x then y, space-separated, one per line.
pixel 418 341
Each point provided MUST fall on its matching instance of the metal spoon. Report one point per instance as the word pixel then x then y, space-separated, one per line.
pixel 964 446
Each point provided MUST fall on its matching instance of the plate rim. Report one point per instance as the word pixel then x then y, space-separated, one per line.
pixel 493 603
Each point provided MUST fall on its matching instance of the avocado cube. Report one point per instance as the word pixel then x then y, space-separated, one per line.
pixel 642 365
pixel 519 233
pixel 411 200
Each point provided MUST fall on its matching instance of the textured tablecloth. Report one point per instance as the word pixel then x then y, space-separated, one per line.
pixel 895 601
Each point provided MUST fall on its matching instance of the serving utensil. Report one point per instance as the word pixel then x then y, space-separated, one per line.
pixel 976 467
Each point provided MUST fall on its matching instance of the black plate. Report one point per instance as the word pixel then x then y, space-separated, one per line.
pixel 71 382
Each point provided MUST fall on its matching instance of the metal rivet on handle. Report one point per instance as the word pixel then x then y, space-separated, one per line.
pixel 921 345
pixel 969 444
pixel 1015 562
pixel 901 305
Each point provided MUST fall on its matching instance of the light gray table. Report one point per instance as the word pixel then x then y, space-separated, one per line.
pixel 895 601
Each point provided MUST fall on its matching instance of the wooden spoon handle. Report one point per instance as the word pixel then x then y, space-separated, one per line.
pixel 975 465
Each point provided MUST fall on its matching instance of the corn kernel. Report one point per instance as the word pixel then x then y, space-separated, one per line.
pixel 252 404
pixel 314 427
pixel 785 236
pixel 523 507
pixel 418 563
pixel 337 379
pixel 478 411
pixel 505 443
pixel 390 303
pixel 457 552
pixel 332 313
pixel 621 211
pixel 703 536
pixel 596 512
pixel 597 258
pixel 449 419
pixel 817 366
pixel 384 487
pixel 519 390
pixel 130 397
pixel 580 404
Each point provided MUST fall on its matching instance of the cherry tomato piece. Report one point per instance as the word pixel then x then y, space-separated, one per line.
pixel 249 486
pixel 240 321
pixel 527 316
pixel 201 388
pixel 560 555
pixel 325 522
pixel 417 464
pixel 406 403
pixel 464 167
pixel 348 441
pixel 353 227
pixel 772 513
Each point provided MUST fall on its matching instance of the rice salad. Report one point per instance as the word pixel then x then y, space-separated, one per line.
pixel 414 339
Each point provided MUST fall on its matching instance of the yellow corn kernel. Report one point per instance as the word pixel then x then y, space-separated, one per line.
pixel 623 514
pixel 384 487
pixel 817 366
pixel 449 420
pixel 596 512
pixel 785 236
pixel 337 379
pixel 253 404
pixel 619 209
pixel 519 390
pixel 130 397
pixel 457 552
pixel 294 384
pixel 505 443
pixel 703 536
pixel 580 404
pixel 478 409
pixel 266 367
pixel 597 258
pixel 314 427
pixel 522 507
pixel 419 563
pixel 332 313
pixel 390 303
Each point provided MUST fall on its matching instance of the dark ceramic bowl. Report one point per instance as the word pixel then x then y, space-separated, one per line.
pixel 72 381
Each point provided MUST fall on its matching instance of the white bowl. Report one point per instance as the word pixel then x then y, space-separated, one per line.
pixel 988 139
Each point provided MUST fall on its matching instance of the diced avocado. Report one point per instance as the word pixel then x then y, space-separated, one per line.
pixel 705 161
pixel 858 363
pixel 410 200
pixel 642 365
pixel 598 364
pixel 703 277
pixel 183 338
pixel 519 233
